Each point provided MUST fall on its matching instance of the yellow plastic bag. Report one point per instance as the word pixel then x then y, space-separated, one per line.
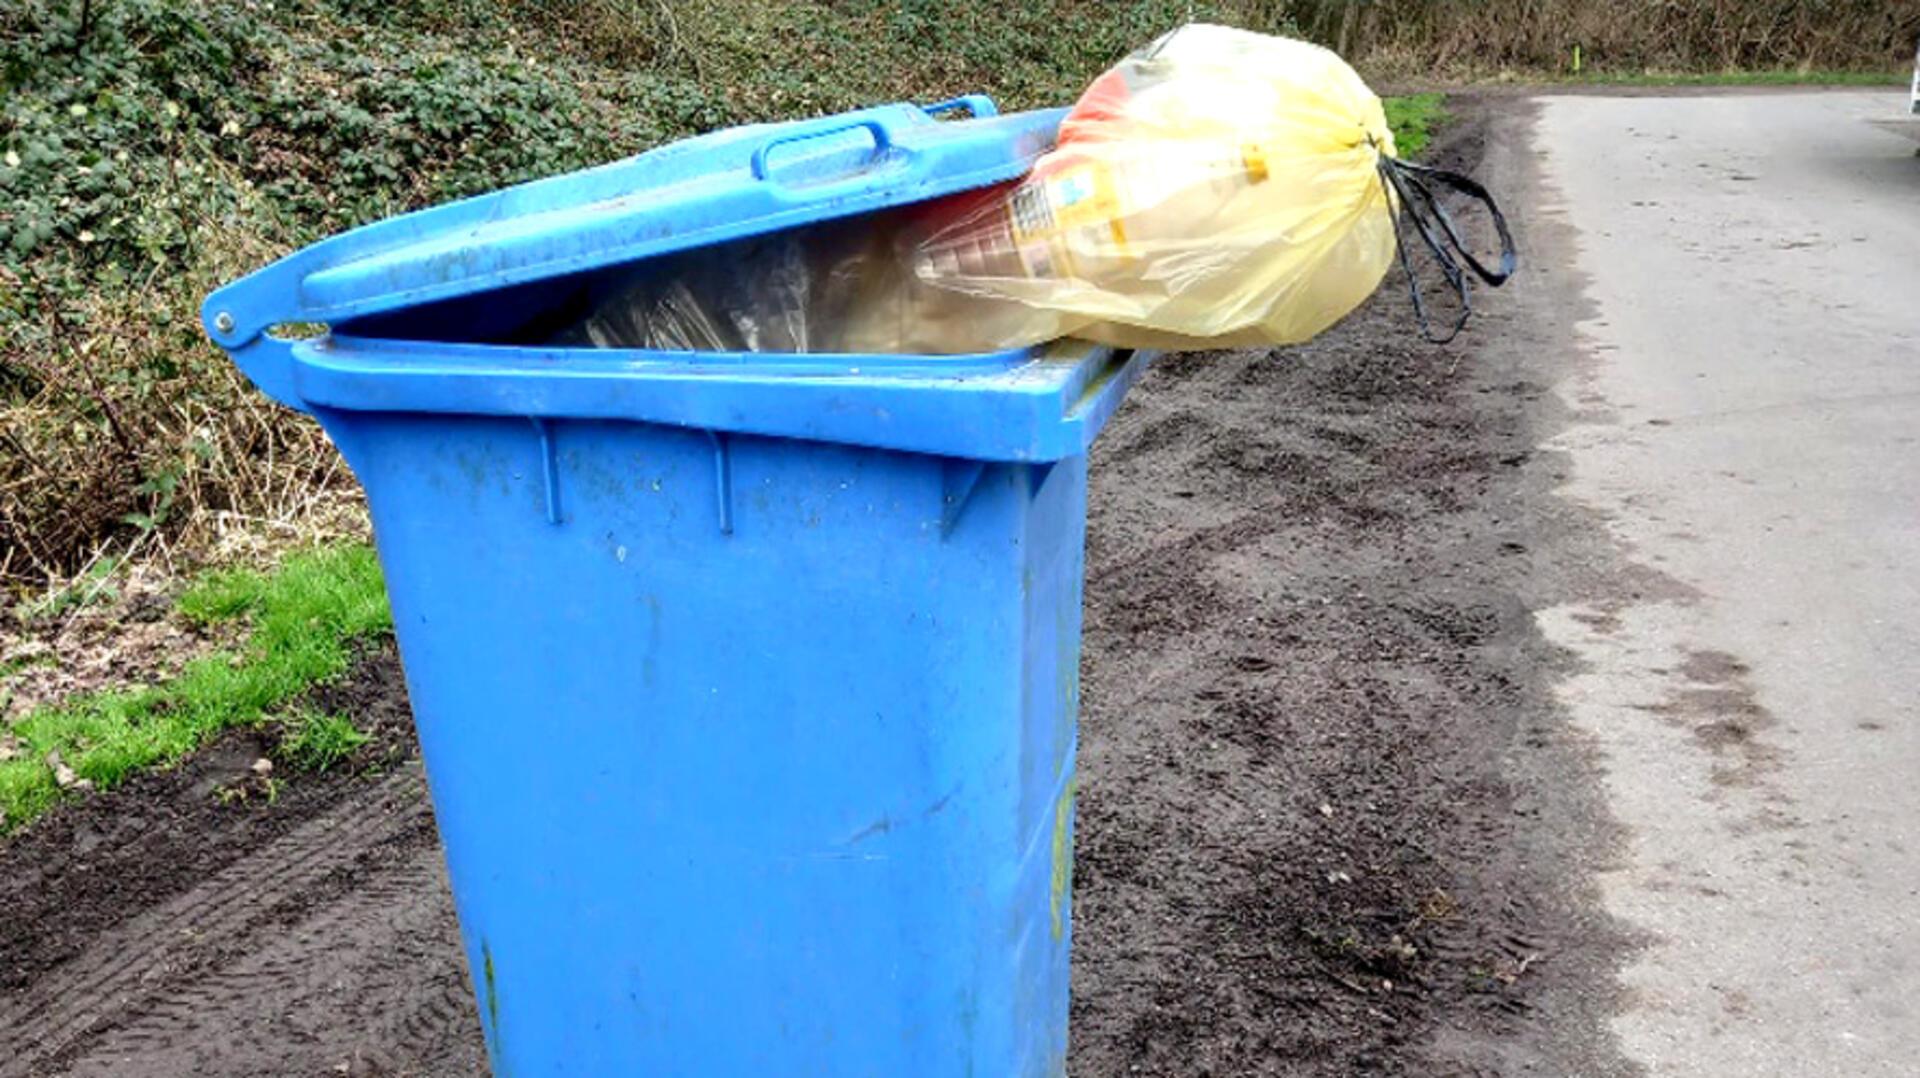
pixel 1218 187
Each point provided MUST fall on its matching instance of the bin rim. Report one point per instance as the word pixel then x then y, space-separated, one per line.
pixel 694 361
pixel 1035 405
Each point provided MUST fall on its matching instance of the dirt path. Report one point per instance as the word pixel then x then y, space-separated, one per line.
pixel 1330 812
pixel 1332 821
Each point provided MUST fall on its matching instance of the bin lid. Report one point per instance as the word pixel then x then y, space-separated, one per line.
pixel 700 191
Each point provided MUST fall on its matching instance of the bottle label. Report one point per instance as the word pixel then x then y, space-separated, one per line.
pixel 1083 208
pixel 1078 206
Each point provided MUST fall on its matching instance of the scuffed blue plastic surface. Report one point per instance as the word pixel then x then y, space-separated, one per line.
pixel 759 760
pixel 751 741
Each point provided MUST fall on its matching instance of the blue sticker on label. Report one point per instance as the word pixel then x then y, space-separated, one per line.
pixel 1074 189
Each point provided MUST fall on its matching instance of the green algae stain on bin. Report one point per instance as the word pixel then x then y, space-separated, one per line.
pixel 490 988
pixel 1062 854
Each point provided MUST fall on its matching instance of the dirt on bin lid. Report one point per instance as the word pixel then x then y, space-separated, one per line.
pixel 1330 820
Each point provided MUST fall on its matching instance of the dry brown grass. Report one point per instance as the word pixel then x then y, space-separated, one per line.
pixel 128 434
pixel 1538 36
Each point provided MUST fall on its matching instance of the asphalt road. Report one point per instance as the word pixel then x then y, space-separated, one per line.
pixel 1748 426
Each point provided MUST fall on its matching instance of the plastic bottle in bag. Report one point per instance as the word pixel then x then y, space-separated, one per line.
pixel 1216 188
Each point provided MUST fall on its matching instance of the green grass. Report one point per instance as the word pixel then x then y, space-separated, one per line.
pixel 10 667
pixel 1413 120
pixel 305 619
pixel 222 595
pixel 317 741
pixel 1742 78
pixel 94 586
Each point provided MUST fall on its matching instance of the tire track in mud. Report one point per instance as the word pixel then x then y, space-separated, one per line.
pixel 136 966
pixel 341 985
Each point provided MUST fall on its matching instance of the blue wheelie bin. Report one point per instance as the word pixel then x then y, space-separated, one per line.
pixel 746 683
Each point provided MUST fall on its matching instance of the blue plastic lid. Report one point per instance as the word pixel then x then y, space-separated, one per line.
pixel 733 183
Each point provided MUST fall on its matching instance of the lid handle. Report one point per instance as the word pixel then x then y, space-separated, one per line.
pixel 883 140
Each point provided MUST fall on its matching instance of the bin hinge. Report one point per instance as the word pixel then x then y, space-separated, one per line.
pixel 723 479
pixel 958 480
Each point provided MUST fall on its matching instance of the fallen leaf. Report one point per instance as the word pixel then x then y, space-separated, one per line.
pixel 63 775
pixel 26 651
